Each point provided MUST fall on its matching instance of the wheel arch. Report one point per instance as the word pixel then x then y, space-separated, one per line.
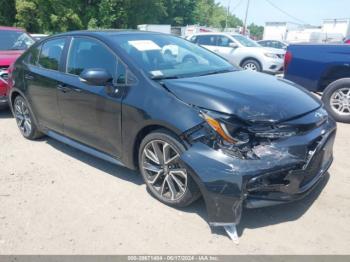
pixel 333 74
pixel 141 134
pixel 250 58
pixel 12 96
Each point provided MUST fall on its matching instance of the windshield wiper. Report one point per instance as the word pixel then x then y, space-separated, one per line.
pixel 217 72
pixel 164 77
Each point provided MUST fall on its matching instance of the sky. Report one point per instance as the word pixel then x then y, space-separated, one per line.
pixel 308 11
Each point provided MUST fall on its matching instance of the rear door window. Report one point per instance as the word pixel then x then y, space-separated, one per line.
pixel 51 54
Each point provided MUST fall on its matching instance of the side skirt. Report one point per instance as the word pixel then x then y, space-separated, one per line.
pixel 83 148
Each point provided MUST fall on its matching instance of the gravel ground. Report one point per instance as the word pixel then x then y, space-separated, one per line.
pixel 57 200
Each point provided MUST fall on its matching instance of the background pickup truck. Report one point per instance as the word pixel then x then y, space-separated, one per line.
pixel 324 69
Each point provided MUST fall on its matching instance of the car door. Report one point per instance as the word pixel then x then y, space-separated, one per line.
pixel 42 74
pixel 224 45
pixel 207 41
pixel 92 114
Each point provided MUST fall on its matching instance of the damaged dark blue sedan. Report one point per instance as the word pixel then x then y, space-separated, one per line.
pixel 193 124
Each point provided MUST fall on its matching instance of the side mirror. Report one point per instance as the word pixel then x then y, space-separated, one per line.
pixel 96 76
pixel 233 45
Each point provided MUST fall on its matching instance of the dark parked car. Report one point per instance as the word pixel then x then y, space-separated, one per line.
pixel 198 127
pixel 324 69
pixel 273 44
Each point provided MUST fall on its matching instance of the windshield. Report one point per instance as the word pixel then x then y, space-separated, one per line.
pixel 166 56
pixel 14 40
pixel 245 41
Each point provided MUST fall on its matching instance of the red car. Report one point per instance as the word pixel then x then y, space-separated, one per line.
pixel 13 42
pixel 347 41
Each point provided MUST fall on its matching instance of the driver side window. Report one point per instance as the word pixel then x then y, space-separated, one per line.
pixel 88 53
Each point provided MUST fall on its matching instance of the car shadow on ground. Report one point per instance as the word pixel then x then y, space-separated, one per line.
pixel 5 113
pixel 251 218
pixel 109 168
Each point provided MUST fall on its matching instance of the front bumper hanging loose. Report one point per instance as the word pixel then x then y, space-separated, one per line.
pixel 287 170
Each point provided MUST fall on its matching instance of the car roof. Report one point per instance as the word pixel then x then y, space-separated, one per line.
pixel 107 32
pixel 8 28
pixel 217 33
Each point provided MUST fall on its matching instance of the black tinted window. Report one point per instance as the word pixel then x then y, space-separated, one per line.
pixel 223 41
pixel 276 44
pixel 206 40
pixel 88 53
pixel 51 53
pixel 33 56
pixel 121 73
pixel 263 43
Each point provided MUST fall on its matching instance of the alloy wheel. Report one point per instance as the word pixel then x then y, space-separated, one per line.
pixel 22 116
pixel 250 66
pixel 163 171
pixel 340 101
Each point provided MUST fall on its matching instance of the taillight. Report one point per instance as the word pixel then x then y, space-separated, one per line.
pixel 287 59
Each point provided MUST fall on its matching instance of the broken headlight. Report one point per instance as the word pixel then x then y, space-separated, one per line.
pixel 235 137
pixel 230 133
pixel 227 134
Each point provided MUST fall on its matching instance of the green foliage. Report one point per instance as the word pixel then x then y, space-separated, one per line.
pixel 256 31
pixel 7 12
pixel 51 16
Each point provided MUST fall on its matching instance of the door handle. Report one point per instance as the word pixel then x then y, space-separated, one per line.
pixel 76 90
pixel 29 77
pixel 62 88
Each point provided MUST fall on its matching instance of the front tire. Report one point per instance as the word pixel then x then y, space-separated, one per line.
pixel 336 98
pixel 164 173
pixel 252 65
pixel 24 119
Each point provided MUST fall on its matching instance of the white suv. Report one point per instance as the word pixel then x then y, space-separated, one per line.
pixel 242 51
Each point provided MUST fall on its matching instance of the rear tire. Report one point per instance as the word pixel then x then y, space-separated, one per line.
pixel 251 64
pixel 336 98
pixel 25 120
pixel 168 181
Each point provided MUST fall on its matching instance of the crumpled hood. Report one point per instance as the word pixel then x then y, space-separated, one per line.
pixel 251 96
pixel 8 57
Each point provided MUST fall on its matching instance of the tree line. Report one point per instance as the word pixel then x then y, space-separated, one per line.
pixel 53 16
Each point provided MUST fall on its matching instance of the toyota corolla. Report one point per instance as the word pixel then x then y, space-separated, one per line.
pixel 193 125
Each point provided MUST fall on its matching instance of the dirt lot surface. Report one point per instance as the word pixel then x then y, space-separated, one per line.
pixel 57 200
